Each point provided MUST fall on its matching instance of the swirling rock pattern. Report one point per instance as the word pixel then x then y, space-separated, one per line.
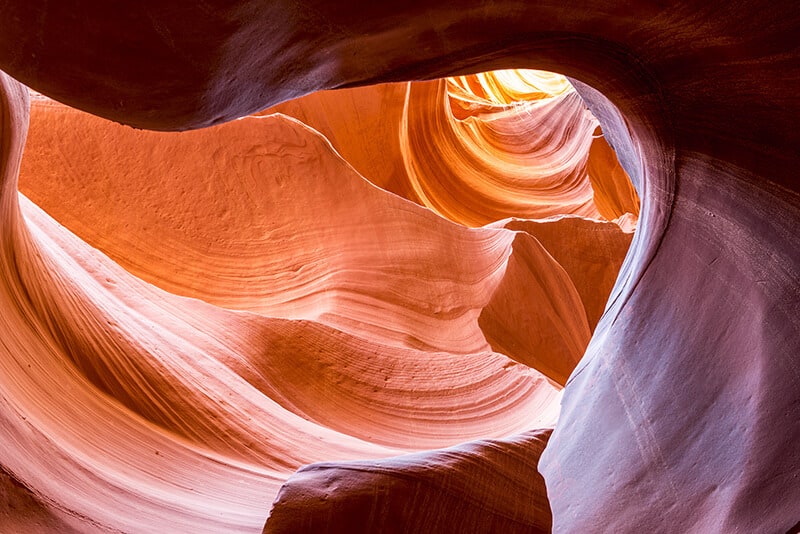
pixel 683 410
pixel 478 148
pixel 504 160
pixel 245 339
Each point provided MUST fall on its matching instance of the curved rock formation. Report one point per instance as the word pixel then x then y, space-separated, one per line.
pixel 450 490
pixel 683 410
pixel 131 380
pixel 478 148
pixel 526 159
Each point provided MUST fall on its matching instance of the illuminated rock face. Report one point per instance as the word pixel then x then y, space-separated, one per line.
pixel 476 149
pixel 683 410
pixel 253 335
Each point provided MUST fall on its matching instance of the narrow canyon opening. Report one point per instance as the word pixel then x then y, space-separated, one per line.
pixel 355 274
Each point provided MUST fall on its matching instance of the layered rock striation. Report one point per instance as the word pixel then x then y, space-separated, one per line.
pixel 681 414
pixel 198 338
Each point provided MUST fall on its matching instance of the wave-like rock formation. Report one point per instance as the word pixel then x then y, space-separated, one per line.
pixel 504 163
pixel 152 398
pixel 247 336
pixel 477 148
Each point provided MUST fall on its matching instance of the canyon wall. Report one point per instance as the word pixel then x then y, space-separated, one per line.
pixel 682 413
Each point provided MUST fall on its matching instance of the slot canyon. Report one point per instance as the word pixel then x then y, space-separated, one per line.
pixel 466 267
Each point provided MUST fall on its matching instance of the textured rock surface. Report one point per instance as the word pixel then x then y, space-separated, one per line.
pixel 135 408
pixel 22 511
pixel 683 412
pixel 476 148
pixel 461 489
pixel 249 335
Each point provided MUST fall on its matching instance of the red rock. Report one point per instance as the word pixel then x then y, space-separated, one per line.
pixel 683 409
pixel 449 490
pixel 225 391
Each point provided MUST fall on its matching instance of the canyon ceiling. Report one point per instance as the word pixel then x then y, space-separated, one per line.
pixel 188 318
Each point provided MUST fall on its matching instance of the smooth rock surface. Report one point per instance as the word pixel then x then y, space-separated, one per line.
pixel 247 336
pixel 460 489
pixel 682 415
